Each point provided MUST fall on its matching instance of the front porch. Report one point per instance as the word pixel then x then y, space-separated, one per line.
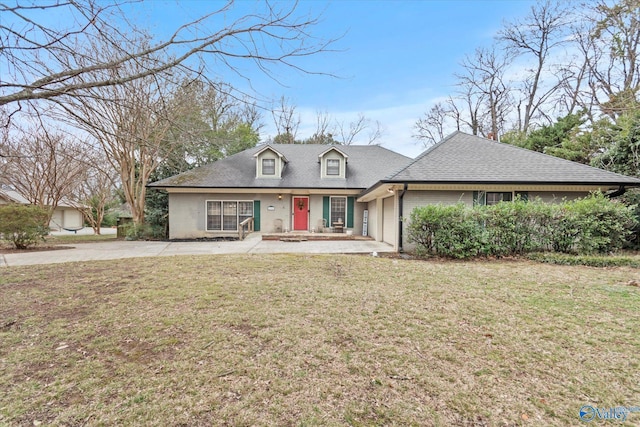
pixel 303 236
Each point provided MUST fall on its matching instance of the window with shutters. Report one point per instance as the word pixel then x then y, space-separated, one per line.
pixel 493 198
pixel 338 210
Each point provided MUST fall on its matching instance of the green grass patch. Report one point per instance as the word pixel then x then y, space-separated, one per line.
pixel 587 260
pixel 315 340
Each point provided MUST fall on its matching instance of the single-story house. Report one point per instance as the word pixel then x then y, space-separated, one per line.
pixel 369 190
pixel 65 216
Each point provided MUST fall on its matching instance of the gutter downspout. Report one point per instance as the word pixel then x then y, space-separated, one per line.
pixel 400 213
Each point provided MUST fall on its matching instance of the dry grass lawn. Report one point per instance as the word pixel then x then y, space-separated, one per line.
pixel 315 340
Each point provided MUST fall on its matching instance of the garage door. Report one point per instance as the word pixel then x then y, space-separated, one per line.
pixel 388 221
pixel 57 220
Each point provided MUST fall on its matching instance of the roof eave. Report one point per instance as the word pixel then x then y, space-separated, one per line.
pixel 208 187
pixel 512 183
pixel 509 182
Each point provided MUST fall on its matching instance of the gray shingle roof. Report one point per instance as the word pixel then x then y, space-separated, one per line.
pixel 14 196
pixel 366 165
pixel 463 158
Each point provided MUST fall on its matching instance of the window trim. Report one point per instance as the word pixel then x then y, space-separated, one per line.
pixel 222 202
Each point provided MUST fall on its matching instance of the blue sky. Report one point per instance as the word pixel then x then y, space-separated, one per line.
pixel 395 58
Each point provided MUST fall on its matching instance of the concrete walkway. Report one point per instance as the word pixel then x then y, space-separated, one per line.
pixel 253 244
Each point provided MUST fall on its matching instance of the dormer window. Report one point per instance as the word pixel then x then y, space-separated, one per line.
pixel 333 163
pixel 333 167
pixel 270 163
pixel 268 166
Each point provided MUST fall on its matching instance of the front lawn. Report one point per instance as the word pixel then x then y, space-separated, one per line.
pixel 315 340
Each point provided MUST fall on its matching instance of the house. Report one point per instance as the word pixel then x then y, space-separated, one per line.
pixel 65 216
pixel 474 170
pixel 369 189
pixel 284 187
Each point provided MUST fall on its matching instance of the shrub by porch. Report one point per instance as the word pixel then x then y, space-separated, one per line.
pixel 594 224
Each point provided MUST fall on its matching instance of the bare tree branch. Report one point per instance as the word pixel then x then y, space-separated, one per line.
pixel 42 165
pixel 485 83
pixel 537 36
pixel 286 120
pixel 45 62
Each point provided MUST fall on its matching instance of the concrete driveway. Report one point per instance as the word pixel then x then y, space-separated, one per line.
pixel 253 244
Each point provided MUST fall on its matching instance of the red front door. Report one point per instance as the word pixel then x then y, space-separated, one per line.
pixel 300 213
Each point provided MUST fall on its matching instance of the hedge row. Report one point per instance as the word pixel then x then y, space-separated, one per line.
pixel 594 224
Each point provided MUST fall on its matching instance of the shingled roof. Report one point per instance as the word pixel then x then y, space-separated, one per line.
pixel 367 164
pixel 462 158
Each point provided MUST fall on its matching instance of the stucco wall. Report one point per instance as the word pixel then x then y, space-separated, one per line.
pixel 187 212
pixel 413 199
pixel 556 197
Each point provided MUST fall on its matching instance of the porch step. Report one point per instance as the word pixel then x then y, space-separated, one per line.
pixel 303 237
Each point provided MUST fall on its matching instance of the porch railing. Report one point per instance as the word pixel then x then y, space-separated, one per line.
pixel 245 228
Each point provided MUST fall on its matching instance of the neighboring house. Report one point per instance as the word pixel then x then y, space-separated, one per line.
pixel 64 215
pixel 309 187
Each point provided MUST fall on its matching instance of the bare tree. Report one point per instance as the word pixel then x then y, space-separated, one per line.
pixel 612 48
pixel 333 131
pixel 43 166
pixel 484 80
pixel 286 120
pixel 536 37
pixel 130 122
pixel 41 58
pixel 349 131
pixel 431 127
pixel 325 130
pixel 323 124
pixel 472 113
pixel 573 77
pixel 95 193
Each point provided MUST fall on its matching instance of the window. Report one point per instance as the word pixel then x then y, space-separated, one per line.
pixel 245 210
pixel 214 219
pixel 230 216
pixel 495 198
pixel 333 167
pixel 268 166
pixel 338 209
pixel 227 215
